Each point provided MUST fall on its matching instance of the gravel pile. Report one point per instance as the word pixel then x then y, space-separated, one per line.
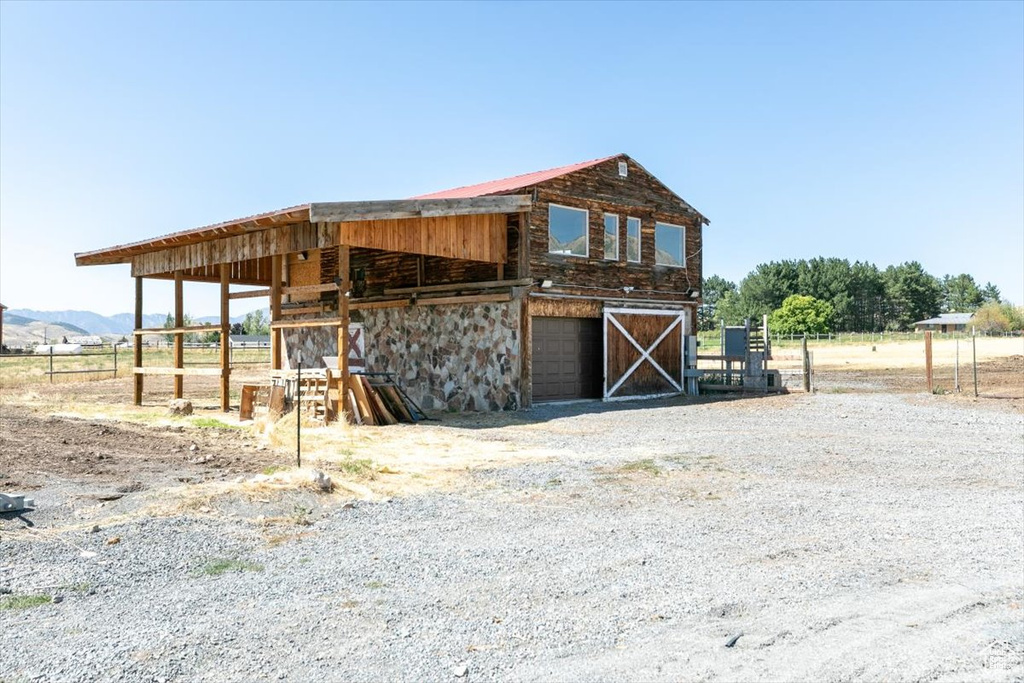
pixel 825 537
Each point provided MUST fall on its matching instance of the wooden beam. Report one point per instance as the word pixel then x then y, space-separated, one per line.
pixel 310 289
pixel 275 311
pixel 225 331
pixel 179 337
pixel 175 330
pixel 251 294
pixel 460 286
pixel 341 212
pixel 137 346
pixel 177 372
pixel 303 310
pixel 314 322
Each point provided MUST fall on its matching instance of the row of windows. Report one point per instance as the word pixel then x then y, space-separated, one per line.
pixel 568 235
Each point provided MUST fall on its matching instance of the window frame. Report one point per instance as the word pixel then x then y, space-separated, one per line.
pixel 639 239
pixel 682 244
pixel 586 231
pixel 616 233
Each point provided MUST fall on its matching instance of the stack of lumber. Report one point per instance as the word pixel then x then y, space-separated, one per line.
pixel 379 402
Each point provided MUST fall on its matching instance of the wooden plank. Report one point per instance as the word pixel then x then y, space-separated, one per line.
pixel 308 289
pixel 353 407
pixel 137 346
pixel 478 298
pixel 398 403
pixel 340 212
pixel 251 294
pixel 526 353
pixel 213 372
pixel 312 322
pixel 248 399
pixel 376 403
pixel 225 330
pixel 356 386
pixel 176 330
pixel 302 310
pixel 459 286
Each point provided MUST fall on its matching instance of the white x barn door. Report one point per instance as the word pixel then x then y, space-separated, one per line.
pixel 643 353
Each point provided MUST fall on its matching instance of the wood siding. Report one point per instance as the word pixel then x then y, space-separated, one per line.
pixel 285 239
pixel 600 190
pixel 473 238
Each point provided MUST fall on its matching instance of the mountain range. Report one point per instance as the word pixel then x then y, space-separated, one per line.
pixel 94 323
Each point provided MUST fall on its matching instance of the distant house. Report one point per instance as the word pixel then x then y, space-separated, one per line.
pixel 86 340
pixel 249 341
pixel 946 322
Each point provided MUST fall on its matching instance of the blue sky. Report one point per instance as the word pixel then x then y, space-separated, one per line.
pixel 883 132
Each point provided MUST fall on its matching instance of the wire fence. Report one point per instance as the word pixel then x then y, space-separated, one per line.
pixel 116 360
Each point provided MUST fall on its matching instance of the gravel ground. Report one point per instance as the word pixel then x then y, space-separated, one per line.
pixel 824 537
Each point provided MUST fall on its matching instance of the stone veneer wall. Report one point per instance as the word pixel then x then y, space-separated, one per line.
pixel 449 357
pixel 315 343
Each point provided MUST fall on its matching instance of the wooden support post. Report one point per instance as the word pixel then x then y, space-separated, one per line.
pixel 179 337
pixel 137 342
pixel 974 358
pixel 225 338
pixel 524 245
pixel 276 337
pixel 343 292
pixel 928 360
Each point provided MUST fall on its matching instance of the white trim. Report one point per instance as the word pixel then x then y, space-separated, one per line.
pixel 682 244
pixel 586 230
pixel 616 217
pixel 639 242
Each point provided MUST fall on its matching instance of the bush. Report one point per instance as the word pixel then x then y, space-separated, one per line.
pixel 801 315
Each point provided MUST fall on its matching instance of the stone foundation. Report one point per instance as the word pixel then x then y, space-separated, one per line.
pixel 314 342
pixel 450 357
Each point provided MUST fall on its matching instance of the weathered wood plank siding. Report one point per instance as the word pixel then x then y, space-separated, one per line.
pixel 474 238
pixel 600 190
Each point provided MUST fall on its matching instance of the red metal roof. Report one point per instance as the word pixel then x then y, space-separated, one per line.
pixel 510 184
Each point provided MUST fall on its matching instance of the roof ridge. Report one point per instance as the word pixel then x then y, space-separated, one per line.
pixel 509 182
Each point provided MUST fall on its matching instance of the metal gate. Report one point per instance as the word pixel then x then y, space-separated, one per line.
pixel 643 353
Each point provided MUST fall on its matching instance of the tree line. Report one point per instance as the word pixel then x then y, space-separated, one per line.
pixel 860 297
pixel 255 323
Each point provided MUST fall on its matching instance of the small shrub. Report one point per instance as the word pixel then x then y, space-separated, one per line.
pixel 23 601
pixel 221 566
pixel 212 423
pixel 355 466
pixel 645 466
pixel 271 469
pixel 375 584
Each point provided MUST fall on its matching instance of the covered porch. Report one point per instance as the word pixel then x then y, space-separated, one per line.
pixel 319 263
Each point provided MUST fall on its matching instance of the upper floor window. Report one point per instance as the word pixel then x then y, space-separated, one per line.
pixel 567 230
pixel 633 239
pixel 611 237
pixel 669 245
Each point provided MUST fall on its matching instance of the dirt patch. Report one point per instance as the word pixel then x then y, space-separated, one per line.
pixel 36 448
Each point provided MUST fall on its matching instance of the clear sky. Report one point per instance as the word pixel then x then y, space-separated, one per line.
pixel 874 131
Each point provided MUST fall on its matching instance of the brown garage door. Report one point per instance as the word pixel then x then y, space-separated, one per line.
pixel 567 358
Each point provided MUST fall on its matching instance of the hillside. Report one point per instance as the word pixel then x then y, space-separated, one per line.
pixel 20 331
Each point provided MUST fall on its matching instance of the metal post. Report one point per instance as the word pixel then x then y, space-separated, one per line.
pixel 806 361
pixel 974 358
pixel 928 359
pixel 115 360
pixel 51 363
pixel 298 412
pixel 956 368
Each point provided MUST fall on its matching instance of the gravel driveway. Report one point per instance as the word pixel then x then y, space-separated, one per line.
pixel 824 537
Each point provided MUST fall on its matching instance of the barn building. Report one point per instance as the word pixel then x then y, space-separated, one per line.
pixel 575 282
